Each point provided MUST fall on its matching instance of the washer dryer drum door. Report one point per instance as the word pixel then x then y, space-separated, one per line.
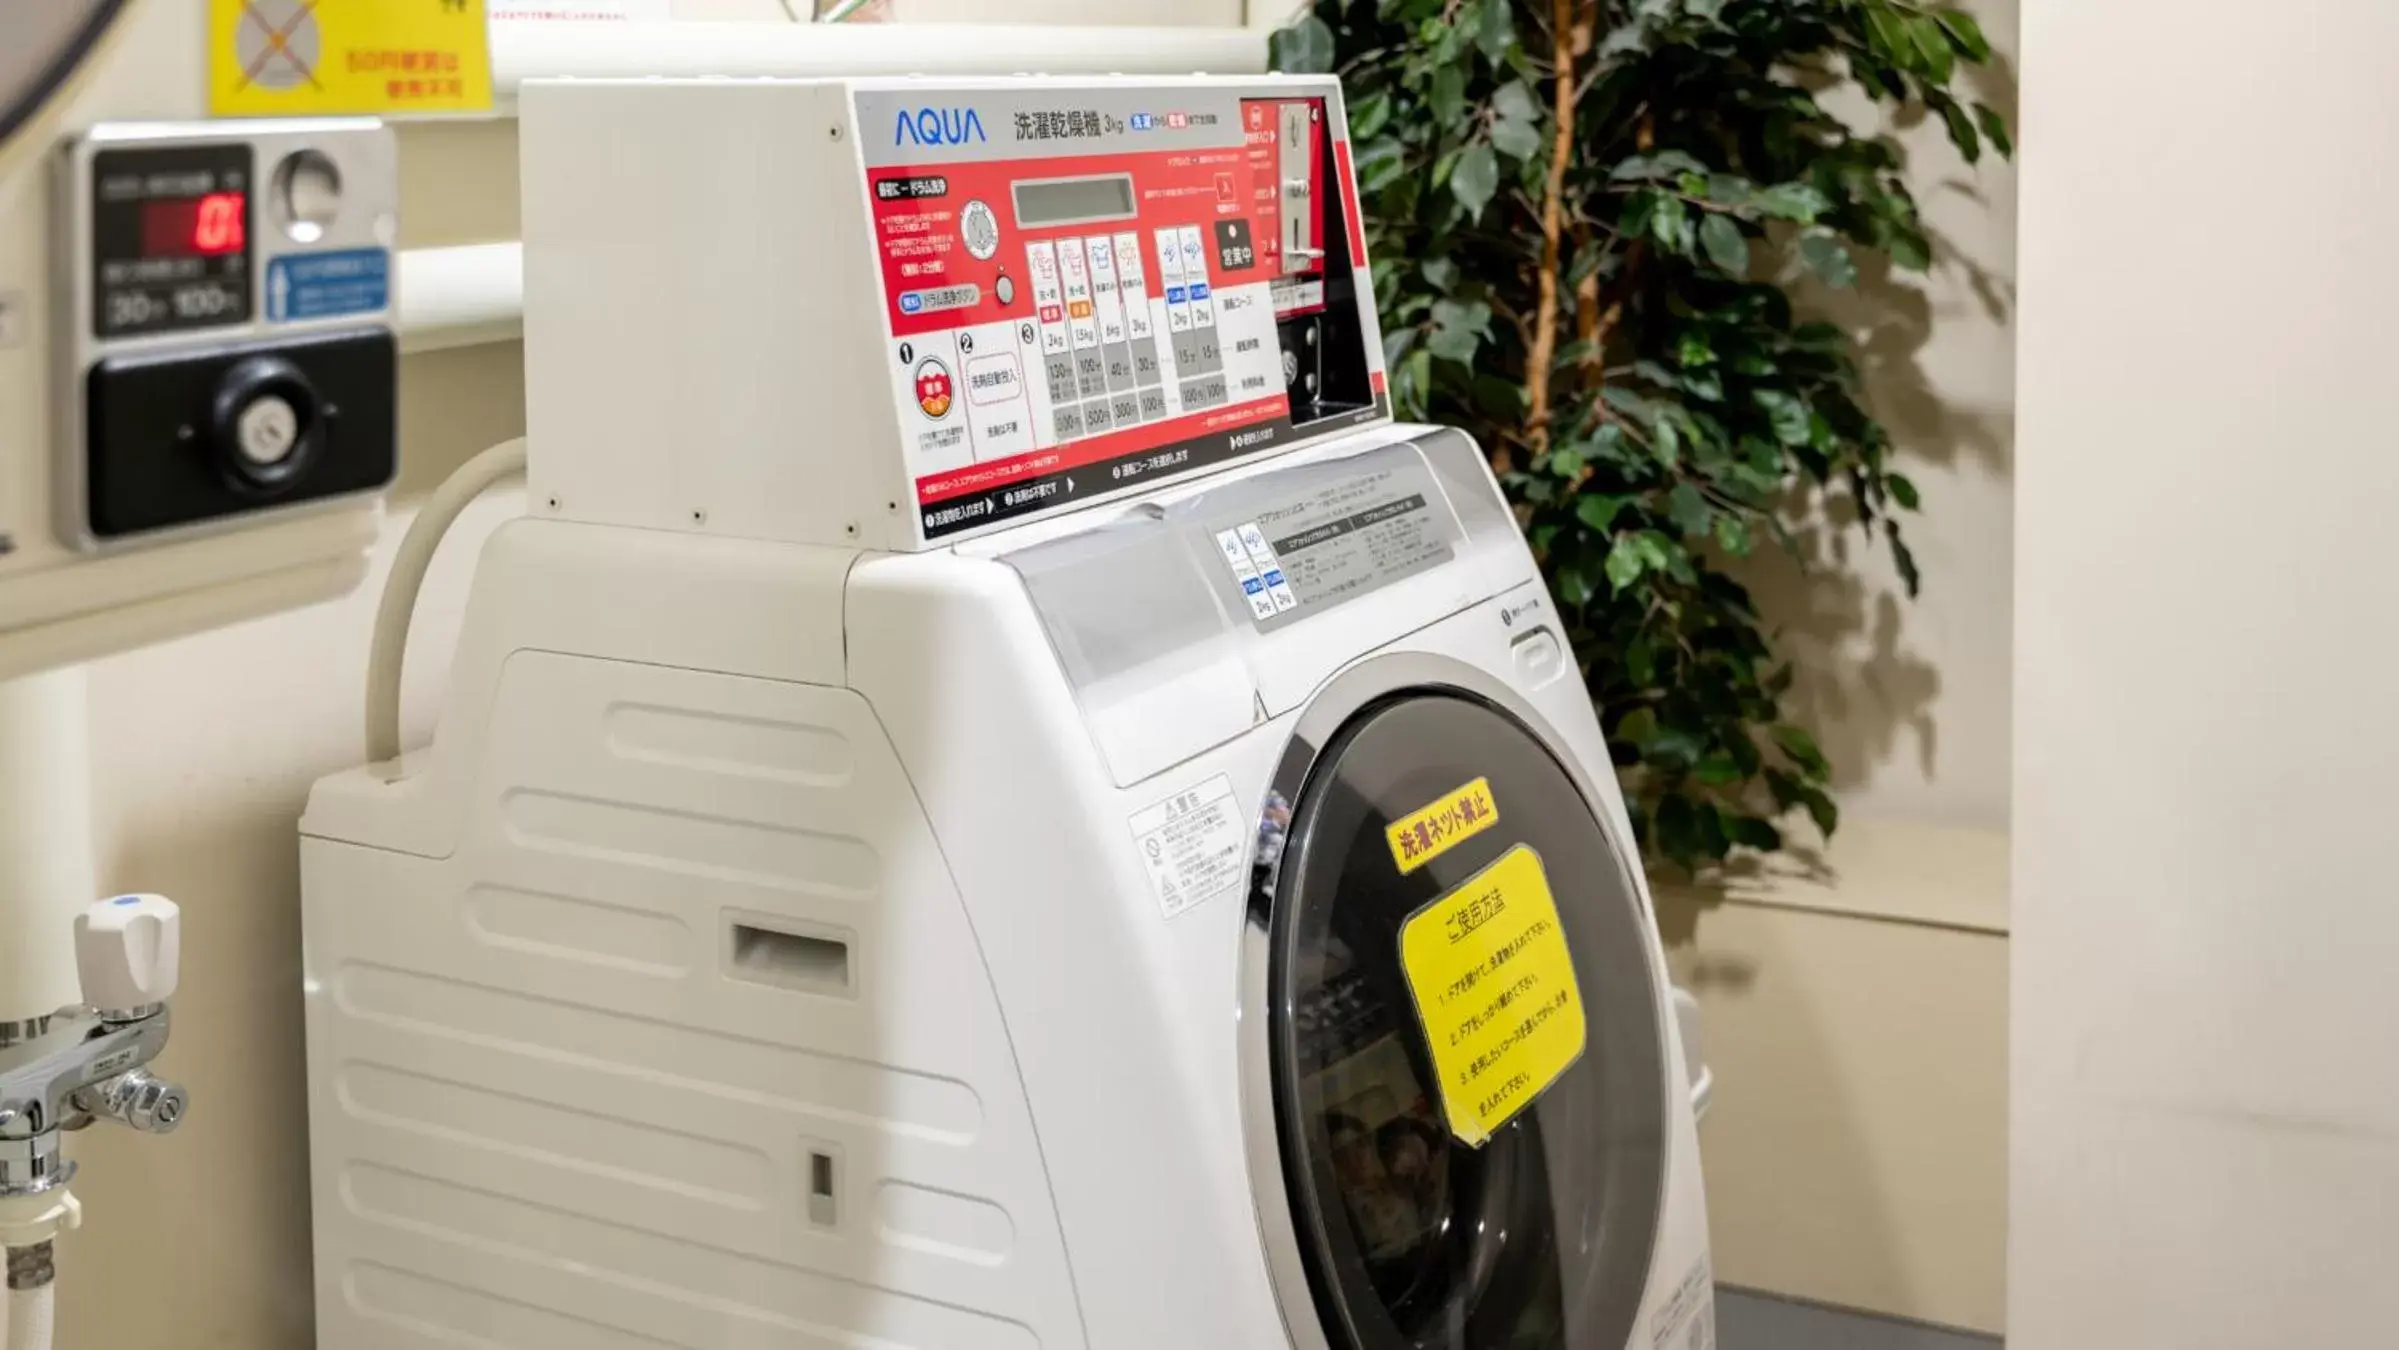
pixel 40 45
pixel 1542 1236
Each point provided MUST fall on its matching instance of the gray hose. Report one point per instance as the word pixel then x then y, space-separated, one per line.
pixel 389 651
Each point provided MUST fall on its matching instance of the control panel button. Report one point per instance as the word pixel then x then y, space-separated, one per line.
pixel 260 422
pixel 1538 655
pixel 979 229
pixel 267 430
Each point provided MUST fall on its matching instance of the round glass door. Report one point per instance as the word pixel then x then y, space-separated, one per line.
pixel 1415 819
pixel 40 44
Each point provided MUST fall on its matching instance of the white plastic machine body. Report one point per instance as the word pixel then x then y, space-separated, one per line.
pixel 850 896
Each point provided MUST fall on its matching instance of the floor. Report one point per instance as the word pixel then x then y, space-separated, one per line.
pixel 1757 1322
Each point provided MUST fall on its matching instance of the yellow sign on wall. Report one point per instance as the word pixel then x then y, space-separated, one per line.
pixel 281 58
pixel 1494 986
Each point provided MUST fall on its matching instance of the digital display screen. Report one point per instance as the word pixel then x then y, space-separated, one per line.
pixel 1065 201
pixel 170 244
pixel 204 226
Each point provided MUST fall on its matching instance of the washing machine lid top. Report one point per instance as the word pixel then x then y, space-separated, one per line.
pixel 40 46
pixel 1451 1184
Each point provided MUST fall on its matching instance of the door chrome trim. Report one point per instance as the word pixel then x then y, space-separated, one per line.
pixel 1372 680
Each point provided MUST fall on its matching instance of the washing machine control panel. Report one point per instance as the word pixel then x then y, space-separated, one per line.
pixel 1092 289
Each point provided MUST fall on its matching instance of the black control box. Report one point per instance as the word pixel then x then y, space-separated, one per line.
pixel 183 436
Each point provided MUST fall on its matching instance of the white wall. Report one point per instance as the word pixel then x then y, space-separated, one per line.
pixel 2206 1025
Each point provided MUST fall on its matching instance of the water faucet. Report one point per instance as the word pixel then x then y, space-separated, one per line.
pixel 87 1062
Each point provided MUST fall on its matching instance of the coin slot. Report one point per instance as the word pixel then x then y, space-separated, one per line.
pixel 308 194
pixel 813 961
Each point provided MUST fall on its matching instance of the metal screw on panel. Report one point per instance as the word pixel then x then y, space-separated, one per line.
pixel 553 503
pixel 699 517
pixel 850 529
pixel 834 132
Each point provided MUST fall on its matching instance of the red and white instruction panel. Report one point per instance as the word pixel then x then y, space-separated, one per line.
pixel 1082 288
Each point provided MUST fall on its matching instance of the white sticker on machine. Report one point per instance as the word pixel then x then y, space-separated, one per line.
pixel 1687 1321
pixel 1348 537
pixel 1195 845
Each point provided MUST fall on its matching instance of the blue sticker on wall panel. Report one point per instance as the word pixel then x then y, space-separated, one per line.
pixel 327 285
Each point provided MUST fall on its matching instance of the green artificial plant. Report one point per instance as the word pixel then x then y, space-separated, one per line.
pixel 1586 218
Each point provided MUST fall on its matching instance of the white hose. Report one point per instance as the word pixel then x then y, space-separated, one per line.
pixel 30 1314
pixel 389 650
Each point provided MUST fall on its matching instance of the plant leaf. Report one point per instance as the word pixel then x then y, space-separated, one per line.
pixel 1961 130
pixel 1802 748
pixel 1792 201
pixel 1304 48
pixel 1449 93
pixel 1732 534
pixel 1935 59
pixel 1516 140
pixel 1514 102
pixel 1994 128
pixel 1827 257
pixel 1670 225
pixel 1726 248
pixel 1624 562
pixel 1903 490
pixel 1475 179
pixel 1663 165
pixel 1965 34
pixel 1688 509
pixel 1886 35
pixel 1497 32
pixel 1458 328
pixel 1666 442
pixel 1369 115
pixel 1597 510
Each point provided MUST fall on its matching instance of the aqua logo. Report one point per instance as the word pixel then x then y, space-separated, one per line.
pixel 937 126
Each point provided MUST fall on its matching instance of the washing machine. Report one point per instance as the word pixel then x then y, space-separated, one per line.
pixel 994 798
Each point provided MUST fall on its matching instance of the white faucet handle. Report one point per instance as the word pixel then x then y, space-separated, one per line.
pixel 128 951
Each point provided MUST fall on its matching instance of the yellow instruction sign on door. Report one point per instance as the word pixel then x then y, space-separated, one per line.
pixel 284 58
pixel 1441 825
pixel 1494 986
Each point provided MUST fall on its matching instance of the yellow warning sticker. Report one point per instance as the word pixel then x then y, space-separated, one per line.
pixel 1441 825
pixel 278 58
pixel 1494 986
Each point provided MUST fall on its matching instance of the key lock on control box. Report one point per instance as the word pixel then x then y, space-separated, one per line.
pixel 226 340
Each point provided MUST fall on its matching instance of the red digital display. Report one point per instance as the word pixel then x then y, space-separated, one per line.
pixel 178 227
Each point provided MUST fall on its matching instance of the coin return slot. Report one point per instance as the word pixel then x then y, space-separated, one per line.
pixel 814 962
